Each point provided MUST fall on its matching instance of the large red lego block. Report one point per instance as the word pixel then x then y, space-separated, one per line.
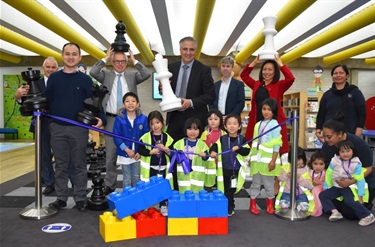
pixel 212 226
pixel 150 223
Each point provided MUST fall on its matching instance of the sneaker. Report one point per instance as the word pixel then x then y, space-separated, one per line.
pixel 58 204
pixel 335 216
pixel 284 204
pixel 303 206
pixel 164 210
pixel 368 220
pixel 230 212
pixel 81 206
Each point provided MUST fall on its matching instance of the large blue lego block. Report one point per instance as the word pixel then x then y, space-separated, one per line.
pixel 126 203
pixel 140 197
pixel 211 205
pixel 182 205
pixel 156 190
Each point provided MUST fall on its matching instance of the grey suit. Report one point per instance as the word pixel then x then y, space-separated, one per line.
pixel 107 77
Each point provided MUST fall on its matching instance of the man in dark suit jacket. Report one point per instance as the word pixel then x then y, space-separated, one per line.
pixel 48 174
pixel 200 90
pixel 230 92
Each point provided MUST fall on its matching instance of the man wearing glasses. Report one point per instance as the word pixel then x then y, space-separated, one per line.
pixel 118 81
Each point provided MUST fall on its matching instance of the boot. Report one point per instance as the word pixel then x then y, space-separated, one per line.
pixel 270 209
pixel 253 207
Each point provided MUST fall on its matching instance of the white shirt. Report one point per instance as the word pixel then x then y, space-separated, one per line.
pixel 112 102
pixel 223 93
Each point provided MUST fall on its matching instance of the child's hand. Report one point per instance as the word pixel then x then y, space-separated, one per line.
pixel 235 148
pixel 203 154
pixel 360 199
pixel 271 166
pixel 213 155
pixel 130 152
pixel 289 175
pixel 167 151
pixel 137 156
pixel 155 151
pixel 316 182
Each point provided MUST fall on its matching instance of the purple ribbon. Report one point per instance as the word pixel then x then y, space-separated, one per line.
pixel 179 157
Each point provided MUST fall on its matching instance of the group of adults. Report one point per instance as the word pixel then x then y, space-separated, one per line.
pixel 227 95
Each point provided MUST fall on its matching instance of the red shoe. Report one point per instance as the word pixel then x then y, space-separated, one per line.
pixel 270 209
pixel 253 207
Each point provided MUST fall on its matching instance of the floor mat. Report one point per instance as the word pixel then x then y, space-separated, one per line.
pixel 6 146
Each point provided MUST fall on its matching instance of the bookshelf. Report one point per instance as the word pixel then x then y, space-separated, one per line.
pixel 307 107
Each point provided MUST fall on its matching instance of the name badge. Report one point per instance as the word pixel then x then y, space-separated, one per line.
pixel 233 182
pixel 258 157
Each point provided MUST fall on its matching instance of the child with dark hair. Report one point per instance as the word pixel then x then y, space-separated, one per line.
pixel 345 164
pixel 155 161
pixel 264 156
pixel 130 123
pixel 190 144
pixel 304 198
pixel 231 166
pixel 318 175
pixel 214 131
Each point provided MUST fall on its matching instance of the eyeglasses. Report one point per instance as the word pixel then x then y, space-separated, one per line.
pixel 120 61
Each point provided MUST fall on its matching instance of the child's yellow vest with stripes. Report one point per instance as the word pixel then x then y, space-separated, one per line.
pixel 241 173
pixel 307 192
pixel 265 152
pixel 194 180
pixel 145 160
pixel 353 187
pixel 210 168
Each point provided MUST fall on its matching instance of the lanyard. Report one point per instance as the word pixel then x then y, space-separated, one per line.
pixel 156 143
pixel 346 171
pixel 312 175
pixel 261 132
pixel 232 159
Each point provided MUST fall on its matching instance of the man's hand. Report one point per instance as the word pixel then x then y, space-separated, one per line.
pixel 186 103
pixel 22 91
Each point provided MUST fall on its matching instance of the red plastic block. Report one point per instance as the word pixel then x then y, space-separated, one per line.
pixel 212 226
pixel 150 223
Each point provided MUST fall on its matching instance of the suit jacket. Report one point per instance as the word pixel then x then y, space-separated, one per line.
pixel 200 90
pixel 107 77
pixel 235 100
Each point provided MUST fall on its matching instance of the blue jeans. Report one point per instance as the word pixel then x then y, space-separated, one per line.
pixel 131 174
pixel 300 198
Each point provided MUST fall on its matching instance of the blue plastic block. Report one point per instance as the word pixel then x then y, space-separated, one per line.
pixel 128 202
pixel 211 205
pixel 140 197
pixel 156 190
pixel 182 205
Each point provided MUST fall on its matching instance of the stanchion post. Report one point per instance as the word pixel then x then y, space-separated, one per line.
pixel 292 213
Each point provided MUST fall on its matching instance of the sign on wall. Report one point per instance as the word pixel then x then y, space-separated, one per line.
pixel 12 115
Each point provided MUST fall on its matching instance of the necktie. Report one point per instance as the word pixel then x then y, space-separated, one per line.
pixel 183 82
pixel 119 92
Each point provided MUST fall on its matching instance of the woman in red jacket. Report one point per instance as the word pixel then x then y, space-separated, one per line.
pixel 268 85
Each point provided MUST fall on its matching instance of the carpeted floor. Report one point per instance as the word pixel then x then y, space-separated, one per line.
pixel 245 229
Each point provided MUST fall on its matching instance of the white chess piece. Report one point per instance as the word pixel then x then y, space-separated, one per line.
pixel 269 31
pixel 169 102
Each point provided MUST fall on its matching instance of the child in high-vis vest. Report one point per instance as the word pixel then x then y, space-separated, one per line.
pixel 155 161
pixel 231 165
pixel 130 123
pixel 318 174
pixel 304 198
pixel 265 161
pixel 213 132
pixel 345 164
pixel 196 151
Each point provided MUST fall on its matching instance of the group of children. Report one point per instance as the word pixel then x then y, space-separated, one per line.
pixel 218 156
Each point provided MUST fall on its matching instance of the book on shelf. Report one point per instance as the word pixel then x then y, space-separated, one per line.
pixel 312 106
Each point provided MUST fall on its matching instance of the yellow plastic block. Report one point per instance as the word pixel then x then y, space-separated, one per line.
pixel 113 229
pixel 182 226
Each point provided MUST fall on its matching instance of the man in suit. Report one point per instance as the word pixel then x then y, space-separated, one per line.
pixel 48 174
pixel 230 92
pixel 196 94
pixel 200 90
pixel 110 78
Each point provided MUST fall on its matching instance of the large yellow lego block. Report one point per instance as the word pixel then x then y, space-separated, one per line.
pixel 113 229
pixel 182 226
